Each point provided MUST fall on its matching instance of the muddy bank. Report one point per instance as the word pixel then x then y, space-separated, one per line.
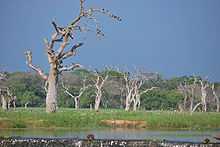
pixel 125 123
pixel 74 142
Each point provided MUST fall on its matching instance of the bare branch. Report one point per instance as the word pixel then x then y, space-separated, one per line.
pixel 66 90
pixel 147 90
pixel 63 44
pixel 71 52
pixel 91 11
pixel 28 55
pixel 69 68
pixel 196 106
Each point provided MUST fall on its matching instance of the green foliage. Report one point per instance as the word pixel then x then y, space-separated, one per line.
pixel 27 87
pixel 160 100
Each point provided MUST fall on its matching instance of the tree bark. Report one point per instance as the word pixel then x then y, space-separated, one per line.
pixel 216 98
pixel 98 100
pixel 77 102
pixel 128 101
pixel 204 95
pixel 4 103
pixel 51 99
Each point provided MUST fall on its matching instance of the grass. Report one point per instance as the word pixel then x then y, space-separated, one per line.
pixel 84 119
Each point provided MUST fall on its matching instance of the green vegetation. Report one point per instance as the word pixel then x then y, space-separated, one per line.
pixel 85 119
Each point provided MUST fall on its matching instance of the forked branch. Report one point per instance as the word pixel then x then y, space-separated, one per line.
pixel 28 55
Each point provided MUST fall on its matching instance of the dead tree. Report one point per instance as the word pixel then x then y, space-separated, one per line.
pixel 129 89
pixel 204 86
pixel 184 89
pixel 76 97
pixel 133 90
pixel 188 90
pixel 137 95
pixel 26 105
pixel 99 83
pixel 193 87
pixel 63 35
pixel 7 98
pixel 216 98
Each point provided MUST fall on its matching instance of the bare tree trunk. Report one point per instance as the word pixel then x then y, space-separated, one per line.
pixel 217 104
pixel 216 98
pixel 204 95
pixel 192 98
pixel 136 104
pixel 128 100
pixel 98 100
pixel 77 102
pixel 184 88
pixel 26 105
pixel 51 99
pixel 4 103
pixel 184 102
pixel 14 102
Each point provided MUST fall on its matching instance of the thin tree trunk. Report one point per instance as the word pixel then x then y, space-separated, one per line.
pixel 128 101
pixel 185 100
pixel 196 106
pixel 77 102
pixel 216 98
pixel 4 103
pixel 217 104
pixel 98 100
pixel 26 105
pixel 192 98
pixel 204 95
pixel 51 99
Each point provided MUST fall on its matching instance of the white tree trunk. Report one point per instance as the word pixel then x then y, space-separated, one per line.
pixel 4 103
pixel 26 105
pixel 204 87
pixel 128 101
pixel 217 104
pixel 98 100
pixel 203 99
pixel 137 103
pixel 77 102
pixel 192 98
pixel 51 99
pixel 216 98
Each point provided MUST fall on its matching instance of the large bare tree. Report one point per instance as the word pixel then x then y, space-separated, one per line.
pixel 63 35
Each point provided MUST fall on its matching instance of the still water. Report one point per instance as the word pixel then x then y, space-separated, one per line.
pixel 171 135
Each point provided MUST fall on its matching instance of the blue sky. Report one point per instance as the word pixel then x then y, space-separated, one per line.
pixel 172 37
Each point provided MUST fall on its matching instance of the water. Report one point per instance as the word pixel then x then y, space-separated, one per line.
pixel 126 134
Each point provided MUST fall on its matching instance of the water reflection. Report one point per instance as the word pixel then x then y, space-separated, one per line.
pixel 171 135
